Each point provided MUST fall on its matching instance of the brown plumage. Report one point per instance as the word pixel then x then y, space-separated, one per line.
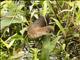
pixel 39 28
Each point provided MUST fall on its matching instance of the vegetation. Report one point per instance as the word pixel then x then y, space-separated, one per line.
pixel 62 44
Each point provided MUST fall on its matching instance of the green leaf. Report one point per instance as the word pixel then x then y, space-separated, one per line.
pixel 45 48
pixel 59 25
pixel 70 3
pixel 48 47
pixel 77 18
pixel 32 13
pixel 35 53
pixel 20 7
pixel 77 3
pixel 7 45
pixel 9 42
pixel 17 55
pixel 44 11
pixel 15 37
pixel 8 21
pixel 53 43
pixel 23 30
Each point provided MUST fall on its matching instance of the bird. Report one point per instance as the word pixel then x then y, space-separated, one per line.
pixel 39 28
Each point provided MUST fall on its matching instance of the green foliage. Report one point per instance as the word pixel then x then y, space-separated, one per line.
pixel 48 47
pixel 62 44
pixel 11 13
